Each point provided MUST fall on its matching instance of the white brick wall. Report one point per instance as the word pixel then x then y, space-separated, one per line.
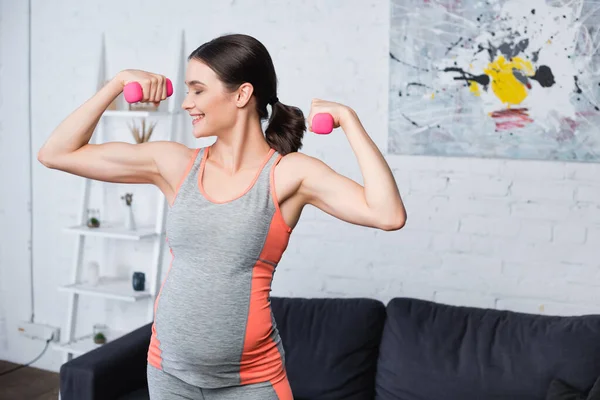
pixel 506 234
pixel 15 216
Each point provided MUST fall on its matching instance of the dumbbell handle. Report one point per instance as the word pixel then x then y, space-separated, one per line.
pixel 322 123
pixel 133 91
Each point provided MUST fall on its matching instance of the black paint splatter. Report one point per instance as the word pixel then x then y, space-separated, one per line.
pixel 466 76
pixel 393 57
pixel 544 76
pixel 417 84
pixel 577 88
pixel 410 120
pixel 453 45
pixel 492 52
pixel 579 91
pixel 511 50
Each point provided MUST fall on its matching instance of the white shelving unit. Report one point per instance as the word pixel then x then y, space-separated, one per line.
pixel 115 232
pixel 85 343
pixel 109 288
pixel 115 288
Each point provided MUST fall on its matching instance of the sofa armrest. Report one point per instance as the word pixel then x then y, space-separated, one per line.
pixel 110 371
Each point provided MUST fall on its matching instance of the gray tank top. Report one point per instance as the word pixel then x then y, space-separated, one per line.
pixel 213 325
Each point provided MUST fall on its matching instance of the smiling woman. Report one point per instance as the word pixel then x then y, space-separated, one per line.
pixel 224 66
pixel 233 206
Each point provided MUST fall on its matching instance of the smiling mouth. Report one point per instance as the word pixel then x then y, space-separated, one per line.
pixel 197 118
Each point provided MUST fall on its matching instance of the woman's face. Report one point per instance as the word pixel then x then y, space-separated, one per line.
pixel 211 106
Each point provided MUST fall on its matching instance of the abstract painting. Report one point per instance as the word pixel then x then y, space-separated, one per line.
pixel 495 78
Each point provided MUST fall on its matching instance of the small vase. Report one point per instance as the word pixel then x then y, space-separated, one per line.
pixel 129 219
pixel 99 333
pixel 138 281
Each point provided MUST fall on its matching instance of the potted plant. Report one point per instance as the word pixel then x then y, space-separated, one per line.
pixel 93 220
pixel 141 134
pixel 99 338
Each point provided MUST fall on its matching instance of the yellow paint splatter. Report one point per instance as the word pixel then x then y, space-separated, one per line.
pixel 432 96
pixel 504 83
pixel 474 88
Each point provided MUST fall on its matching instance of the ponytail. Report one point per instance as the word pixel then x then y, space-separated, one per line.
pixel 286 128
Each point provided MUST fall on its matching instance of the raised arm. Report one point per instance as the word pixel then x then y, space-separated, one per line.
pixel 378 203
pixel 68 147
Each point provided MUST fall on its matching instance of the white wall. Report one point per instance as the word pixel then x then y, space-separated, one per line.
pixel 518 235
pixel 15 215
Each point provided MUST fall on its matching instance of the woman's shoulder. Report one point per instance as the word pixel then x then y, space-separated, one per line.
pixel 298 159
pixel 173 149
pixel 301 164
pixel 295 169
pixel 173 159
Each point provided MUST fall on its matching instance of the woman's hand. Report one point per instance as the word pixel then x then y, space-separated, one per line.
pixel 154 86
pixel 339 112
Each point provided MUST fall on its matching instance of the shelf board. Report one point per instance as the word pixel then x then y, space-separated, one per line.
pixel 86 343
pixel 136 113
pixel 109 288
pixel 115 232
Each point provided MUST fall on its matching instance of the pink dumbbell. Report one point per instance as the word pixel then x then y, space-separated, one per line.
pixel 322 123
pixel 133 91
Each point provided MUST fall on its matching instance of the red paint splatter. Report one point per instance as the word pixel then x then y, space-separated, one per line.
pixel 511 118
pixel 572 124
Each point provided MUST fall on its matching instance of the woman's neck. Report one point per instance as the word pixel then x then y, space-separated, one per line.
pixel 244 146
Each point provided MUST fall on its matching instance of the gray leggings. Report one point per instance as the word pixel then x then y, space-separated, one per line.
pixel 163 386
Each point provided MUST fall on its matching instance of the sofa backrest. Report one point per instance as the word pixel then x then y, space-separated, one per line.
pixel 432 351
pixel 331 345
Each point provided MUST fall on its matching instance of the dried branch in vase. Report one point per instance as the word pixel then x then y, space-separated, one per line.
pixel 141 134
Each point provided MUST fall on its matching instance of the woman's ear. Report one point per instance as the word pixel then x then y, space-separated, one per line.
pixel 244 94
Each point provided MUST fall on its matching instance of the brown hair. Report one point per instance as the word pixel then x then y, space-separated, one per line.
pixel 237 59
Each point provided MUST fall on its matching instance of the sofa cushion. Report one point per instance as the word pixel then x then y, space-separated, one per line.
pixel 330 345
pixel 560 390
pixel 432 351
pixel 139 394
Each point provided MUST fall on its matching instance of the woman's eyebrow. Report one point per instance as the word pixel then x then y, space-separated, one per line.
pixel 194 82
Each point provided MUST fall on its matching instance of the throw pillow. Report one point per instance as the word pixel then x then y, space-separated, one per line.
pixel 560 390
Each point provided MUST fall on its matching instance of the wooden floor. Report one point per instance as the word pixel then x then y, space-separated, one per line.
pixel 27 383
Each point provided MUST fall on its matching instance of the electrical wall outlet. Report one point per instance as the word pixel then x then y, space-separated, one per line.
pixel 39 331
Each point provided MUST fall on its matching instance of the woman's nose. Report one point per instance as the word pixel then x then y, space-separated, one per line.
pixel 186 105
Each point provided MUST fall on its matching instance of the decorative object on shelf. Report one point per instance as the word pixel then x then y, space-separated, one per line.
pixel 93 218
pixel 142 134
pixel 138 281
pixel 93 273
pixel 129 220
pixel 100 333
